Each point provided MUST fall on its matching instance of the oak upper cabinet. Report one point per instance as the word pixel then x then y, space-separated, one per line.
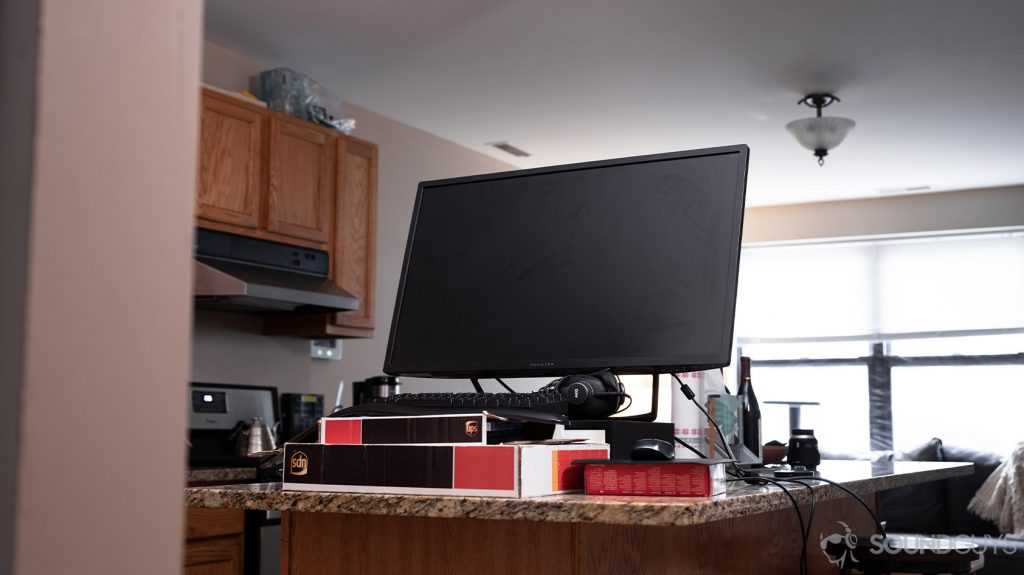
pixel 355 248
pixel 230 184
pixel 263 174
pixel 301 174
pixel 267 175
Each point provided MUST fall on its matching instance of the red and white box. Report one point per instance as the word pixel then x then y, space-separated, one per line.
pixel 510 470
pixel 444 429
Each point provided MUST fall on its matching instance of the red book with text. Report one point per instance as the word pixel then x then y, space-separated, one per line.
pixel 678 478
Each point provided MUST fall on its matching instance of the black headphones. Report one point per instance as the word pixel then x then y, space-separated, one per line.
pixel 594 396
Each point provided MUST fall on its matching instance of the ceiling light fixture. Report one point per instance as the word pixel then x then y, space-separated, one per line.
pixel 820 134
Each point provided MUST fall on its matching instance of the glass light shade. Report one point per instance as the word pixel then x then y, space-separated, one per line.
pixel 820 133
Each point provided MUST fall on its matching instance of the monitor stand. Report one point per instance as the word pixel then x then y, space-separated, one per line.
pixel 653 413
pixel 622 435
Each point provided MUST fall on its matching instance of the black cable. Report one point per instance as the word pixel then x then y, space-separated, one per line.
pixel 692 397
pixel 553 383
pixel 624 394
pixel 690 447
pixel 802 480
pixel 878 524
pixel 509 389
pixel 814 503
pixel 720 451
pixel 627 406
pixel 796 507
pixel 810 516
pixel 725 443
pixel 476 384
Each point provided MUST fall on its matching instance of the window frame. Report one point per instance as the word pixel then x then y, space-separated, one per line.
pixel 879 367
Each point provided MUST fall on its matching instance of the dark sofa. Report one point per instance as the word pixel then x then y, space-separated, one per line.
pixel 940 507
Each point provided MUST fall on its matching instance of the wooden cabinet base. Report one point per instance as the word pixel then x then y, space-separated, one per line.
pixel 214 541
pixel 214 556
pixel 314 543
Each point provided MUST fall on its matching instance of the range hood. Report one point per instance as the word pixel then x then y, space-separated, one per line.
pixel 242 274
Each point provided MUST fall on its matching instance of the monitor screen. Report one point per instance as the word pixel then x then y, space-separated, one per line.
pixel 628 265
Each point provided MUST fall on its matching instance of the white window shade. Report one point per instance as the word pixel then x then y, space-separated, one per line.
pixel 882 289
pixel 805 291
pixel 931 402
pixel 949 284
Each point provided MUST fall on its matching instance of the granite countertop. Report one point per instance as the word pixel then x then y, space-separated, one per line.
pixel 210 474
pixel 861 477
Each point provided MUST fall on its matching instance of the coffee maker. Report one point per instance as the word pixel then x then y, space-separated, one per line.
pixel 375 387
pixel 299 412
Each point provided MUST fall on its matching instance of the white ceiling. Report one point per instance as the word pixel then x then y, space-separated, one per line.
pixel 936 86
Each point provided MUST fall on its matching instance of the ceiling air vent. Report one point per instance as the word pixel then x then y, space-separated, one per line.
pixel 911 189
pixel 509 149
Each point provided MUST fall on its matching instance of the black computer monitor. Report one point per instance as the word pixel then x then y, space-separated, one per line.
pixel 628 265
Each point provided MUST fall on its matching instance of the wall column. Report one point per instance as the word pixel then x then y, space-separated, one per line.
pixel 102 323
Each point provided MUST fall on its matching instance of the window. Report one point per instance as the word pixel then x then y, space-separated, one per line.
pixel 840 422
pixel 968 405
pixel 898 340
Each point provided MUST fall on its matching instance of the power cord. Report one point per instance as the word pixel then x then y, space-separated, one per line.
pixel 479 389
pixel 810 517
pixel 804 482
pixel 507 388
pixel 692 397
pixel 804 529
pixel 690 447
pixel 878 524
pixel 740 475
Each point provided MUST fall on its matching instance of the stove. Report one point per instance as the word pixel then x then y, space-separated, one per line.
pixel 215 412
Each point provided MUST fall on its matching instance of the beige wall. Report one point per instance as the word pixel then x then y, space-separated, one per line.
pixel 229 349
pixel 909 214
pixel 106 328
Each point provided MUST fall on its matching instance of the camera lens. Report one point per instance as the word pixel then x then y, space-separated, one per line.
pixel 803 449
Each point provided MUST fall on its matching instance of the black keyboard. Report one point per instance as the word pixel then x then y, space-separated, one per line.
pixel 542 406
pixel 549 401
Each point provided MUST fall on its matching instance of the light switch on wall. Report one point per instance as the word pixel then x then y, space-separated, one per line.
pixel 325 349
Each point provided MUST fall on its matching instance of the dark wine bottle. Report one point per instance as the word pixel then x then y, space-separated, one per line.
pixel 751 410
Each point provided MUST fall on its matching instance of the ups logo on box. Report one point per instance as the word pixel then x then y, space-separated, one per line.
pixel 298 464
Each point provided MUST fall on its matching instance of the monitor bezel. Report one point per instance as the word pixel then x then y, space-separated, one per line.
pixel 554 367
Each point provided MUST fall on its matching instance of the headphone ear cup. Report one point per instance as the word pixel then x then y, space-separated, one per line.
pixel 592 396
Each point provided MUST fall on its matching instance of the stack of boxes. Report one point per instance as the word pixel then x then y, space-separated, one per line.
pixel 435 455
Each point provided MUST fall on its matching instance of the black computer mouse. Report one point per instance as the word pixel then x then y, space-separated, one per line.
pixel 652 450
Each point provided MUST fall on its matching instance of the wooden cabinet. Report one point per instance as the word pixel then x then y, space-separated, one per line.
pixel 214 541
pixel 270 176
pixel 355 248
pixel 230 162
pixel 353 251
pixel 216 556
pixel 301 179
pixel 264 174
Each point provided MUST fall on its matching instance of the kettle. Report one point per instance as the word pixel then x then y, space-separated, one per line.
pixel 253 437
